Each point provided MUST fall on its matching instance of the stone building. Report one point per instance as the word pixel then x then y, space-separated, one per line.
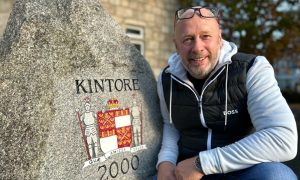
pixel 148 23
pixel 5 9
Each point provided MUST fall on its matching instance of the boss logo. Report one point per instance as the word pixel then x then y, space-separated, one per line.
pixel 235 111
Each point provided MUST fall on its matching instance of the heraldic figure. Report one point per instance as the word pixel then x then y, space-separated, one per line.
pixel 90 130
pixel 136 123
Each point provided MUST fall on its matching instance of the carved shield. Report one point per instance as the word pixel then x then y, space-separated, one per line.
pixel 114 129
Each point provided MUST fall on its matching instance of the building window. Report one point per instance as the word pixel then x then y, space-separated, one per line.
pixel 139 45
pixel 135 32
pixel 136 35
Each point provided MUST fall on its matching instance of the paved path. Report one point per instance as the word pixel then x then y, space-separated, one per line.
pixel 295 163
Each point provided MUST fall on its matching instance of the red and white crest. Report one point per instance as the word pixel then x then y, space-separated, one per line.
pixel 114 129
pixel 111 131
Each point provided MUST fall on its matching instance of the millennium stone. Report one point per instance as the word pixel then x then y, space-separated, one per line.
pixel 78 101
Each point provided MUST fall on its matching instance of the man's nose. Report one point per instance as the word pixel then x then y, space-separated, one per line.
pixel 198 45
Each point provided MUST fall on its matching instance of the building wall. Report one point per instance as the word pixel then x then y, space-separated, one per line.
pixel 155 18
pixel 5 9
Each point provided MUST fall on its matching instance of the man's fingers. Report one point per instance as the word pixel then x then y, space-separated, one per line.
pixel 178 174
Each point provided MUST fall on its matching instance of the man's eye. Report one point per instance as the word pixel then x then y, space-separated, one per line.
pixel 187 40
pixel 206 36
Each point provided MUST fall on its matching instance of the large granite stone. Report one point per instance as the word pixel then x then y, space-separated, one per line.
pixel 78 101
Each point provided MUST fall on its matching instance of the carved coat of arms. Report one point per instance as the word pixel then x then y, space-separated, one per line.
pixel 111 130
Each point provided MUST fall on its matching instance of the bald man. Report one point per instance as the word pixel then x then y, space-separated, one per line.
pixel 224 115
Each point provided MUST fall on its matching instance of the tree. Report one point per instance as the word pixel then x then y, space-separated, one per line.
pixel 269 28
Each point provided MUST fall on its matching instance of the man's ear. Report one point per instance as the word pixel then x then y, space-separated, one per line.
pixel 220 38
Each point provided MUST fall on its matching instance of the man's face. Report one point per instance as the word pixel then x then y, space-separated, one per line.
pixel 198 42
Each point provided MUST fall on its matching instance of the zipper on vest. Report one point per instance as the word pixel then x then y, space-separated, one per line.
pixel 199 99
pixel 201 96
pixel 209 131
pixel 196 95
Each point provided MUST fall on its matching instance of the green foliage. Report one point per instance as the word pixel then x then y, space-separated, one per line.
pixel 269 28
pixel 185 3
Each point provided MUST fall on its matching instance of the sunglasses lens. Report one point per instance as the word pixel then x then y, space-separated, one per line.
pixel 202 12
pixel 185 13
pixel 207 12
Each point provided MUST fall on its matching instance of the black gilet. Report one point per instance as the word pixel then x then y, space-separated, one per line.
pixel 186 108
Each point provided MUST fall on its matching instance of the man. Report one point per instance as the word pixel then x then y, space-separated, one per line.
pixel 224 115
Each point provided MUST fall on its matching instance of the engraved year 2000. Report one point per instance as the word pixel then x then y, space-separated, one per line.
pixel 115 168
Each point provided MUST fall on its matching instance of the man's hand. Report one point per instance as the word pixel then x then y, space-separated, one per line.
pixel 186 170
pixel 166 171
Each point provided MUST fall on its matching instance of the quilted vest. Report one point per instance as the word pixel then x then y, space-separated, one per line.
pixel 187 106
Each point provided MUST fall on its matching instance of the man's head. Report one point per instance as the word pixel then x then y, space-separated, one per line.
pixel 198 40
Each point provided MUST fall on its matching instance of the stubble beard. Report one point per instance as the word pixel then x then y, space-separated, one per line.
pixel 202 73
